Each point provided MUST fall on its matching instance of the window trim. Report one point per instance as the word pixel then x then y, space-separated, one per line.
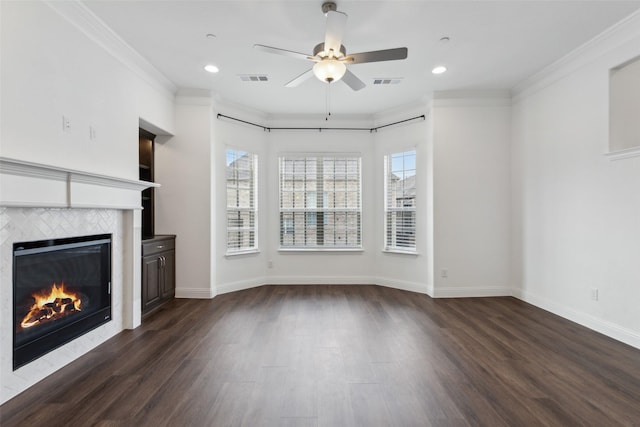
pixel 254 193
pixel 242 252
pixel 282 157
pixel 386 248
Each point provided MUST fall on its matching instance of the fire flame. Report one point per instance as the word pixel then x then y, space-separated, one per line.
pixel 51 304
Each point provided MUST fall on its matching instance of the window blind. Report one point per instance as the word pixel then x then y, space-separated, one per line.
pixel 320 203
pixel 242 206
pixel 400 201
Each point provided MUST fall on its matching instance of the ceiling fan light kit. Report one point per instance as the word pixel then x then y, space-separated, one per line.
pixel 331 57
pixel 329 70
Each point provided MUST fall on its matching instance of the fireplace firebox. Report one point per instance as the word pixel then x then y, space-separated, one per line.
pixel 61 290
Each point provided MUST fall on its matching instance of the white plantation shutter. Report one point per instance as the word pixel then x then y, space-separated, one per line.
pixel 400 202
pixel 242 206
pixel 320 201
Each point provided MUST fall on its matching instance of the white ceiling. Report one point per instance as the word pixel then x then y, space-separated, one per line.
pixel 493 45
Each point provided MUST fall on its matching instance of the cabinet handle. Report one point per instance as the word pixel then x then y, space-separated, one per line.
pixel 159 246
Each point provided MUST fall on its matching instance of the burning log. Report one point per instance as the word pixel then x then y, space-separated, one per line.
pixel 60 305
pixel 51 304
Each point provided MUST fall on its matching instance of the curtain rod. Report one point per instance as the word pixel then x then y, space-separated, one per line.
pixel 319 129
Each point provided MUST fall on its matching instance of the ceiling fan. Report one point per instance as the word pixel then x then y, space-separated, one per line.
pixel 331 57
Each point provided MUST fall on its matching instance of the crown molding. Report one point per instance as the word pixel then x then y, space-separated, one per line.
pixel 97 30
pixel 194 97
pixel 622 32
pixel 484 98
pixel 416 107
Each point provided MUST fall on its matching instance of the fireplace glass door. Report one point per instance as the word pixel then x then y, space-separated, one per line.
pixel 61 290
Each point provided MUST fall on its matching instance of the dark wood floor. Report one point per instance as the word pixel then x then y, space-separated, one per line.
pixel 342 356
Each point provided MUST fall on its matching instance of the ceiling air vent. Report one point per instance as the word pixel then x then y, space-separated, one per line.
pixel 253 77
pixel 387 81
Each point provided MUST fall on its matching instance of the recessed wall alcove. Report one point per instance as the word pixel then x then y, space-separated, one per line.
pixel 624 107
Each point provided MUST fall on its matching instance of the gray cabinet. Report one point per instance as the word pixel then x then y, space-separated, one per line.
pixel 158 272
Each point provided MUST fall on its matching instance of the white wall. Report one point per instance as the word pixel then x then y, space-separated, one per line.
pixel 183 166
pixel 575 212
pixel 405 271
pixel 471 194
pixel 243 270
pixel 321 267
pixel 367 266
pixel 51 68
pixel 470 184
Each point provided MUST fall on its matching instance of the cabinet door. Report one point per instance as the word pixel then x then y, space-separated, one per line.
pixel 151 269
pixel 169 279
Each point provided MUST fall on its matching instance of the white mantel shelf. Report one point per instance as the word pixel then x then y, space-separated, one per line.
pixel 27 184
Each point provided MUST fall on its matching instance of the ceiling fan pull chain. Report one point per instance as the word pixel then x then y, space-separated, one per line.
pixel 328 102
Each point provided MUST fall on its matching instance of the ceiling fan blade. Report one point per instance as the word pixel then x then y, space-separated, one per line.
pixel 352 81
pixel 279 51
pixel 336 23
pixel 301 78
pixel 378 55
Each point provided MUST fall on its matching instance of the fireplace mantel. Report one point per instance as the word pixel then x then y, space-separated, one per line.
pixel 27 184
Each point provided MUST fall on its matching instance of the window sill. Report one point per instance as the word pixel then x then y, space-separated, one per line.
pixel 289 250
pixel 400 252
pixel 245 252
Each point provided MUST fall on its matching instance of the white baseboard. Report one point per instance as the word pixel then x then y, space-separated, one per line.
pixel 604 327
pixel 324 280
pixel 421 288
pixel 472 292
pixel 320 280
pixel 195 293
pixel 240 285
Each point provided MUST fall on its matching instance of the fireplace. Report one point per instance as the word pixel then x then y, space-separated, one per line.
pixel 61 290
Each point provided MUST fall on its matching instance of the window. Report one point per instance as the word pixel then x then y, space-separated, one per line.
pixel 242 206
pixel 400 202
pixel 320 202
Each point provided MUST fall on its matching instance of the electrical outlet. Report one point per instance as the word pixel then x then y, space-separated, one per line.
pixel 594 294
pixel 92 133
pixel 270 264
pixel 444 273
pixel 66 124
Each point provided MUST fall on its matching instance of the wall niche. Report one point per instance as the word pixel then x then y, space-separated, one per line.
pixel 624 108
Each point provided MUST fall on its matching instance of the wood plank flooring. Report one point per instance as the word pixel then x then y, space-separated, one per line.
pixel 342 356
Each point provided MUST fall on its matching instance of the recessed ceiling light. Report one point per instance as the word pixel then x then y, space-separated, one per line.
pixel 211 36
pixel 444 39
pixel 439 69
pixel 211 68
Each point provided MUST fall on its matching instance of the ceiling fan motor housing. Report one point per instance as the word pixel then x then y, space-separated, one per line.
pixel 320 49
pixel 329 6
